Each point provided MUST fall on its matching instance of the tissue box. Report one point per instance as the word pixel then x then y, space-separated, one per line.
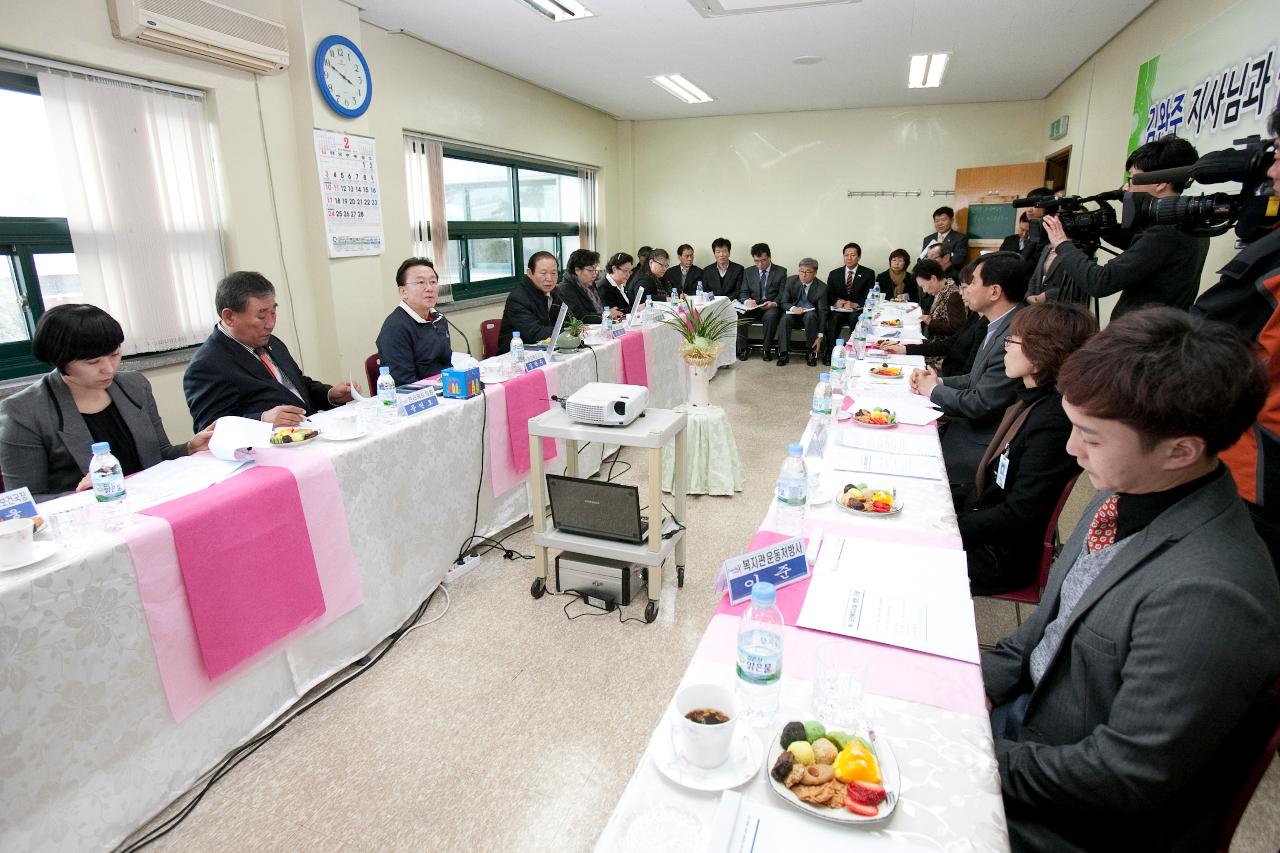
pixel 460 384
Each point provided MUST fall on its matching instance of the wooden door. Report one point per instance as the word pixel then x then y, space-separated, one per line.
pixel 992 185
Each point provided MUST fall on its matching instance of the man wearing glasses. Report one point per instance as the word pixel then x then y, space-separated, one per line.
pixel 976 402
pixel 649 277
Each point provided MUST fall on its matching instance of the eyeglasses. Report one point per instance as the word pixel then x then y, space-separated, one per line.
pixel 1010 339
pixel 663 264
pixel 593 270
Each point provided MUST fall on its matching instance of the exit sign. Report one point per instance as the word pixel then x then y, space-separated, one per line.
pixel 1058 128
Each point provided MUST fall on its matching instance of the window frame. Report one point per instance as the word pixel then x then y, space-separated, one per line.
pixel 516 231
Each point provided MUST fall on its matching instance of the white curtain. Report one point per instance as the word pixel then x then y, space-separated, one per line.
pixel 137 173
pixel 587 210
pixel 429 224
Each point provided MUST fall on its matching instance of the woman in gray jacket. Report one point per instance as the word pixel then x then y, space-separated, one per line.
pixel 46 429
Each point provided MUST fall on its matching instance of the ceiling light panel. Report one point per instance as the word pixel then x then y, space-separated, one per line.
pixel 558 10
pixel 926 70
pixel 678 86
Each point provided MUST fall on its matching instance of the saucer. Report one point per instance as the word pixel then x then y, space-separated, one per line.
pixel 330 436
pixel 745 757
pixel 40 551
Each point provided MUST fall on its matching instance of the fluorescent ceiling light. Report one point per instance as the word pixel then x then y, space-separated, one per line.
pixel 559 10
pixel 682 89
pixel 926 70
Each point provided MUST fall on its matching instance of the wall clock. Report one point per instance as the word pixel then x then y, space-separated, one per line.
pixel 342 74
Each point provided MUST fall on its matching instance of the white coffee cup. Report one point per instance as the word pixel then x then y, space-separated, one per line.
pixel 704 744
pixel 343 423
pixel 17 544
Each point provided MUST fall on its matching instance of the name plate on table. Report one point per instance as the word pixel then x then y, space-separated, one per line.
pixel 17 504
pixel 617 332
pixel 535 362
pixel 779 564
pixel 412 401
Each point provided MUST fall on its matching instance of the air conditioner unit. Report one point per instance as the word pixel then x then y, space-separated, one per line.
pixel 204 29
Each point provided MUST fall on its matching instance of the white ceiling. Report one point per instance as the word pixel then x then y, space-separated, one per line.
pixel 1001 50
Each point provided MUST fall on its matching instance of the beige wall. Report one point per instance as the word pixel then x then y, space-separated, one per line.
pixel 1098 97
pixel 783 178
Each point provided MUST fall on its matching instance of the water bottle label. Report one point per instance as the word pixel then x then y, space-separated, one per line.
pixel 108 485
pixel 760 664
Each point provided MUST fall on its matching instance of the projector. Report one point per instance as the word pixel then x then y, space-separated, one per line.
pixel 607 403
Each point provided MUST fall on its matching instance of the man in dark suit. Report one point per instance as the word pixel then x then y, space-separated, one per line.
pixel 761 287
pixel 804 301
pixel 847 288
pixel 1016 241
pixel 1128 708
pixel 1050 281
pixel 976 402
pixel 685 276
pixel 242 369
pixel 954 245
pixel 532 305
pixel 724 277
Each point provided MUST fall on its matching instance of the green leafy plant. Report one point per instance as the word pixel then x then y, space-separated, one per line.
pixel 704 334
pixel 575 327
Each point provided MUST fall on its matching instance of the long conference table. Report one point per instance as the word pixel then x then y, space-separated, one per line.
pixel 930 709
pixel 92 746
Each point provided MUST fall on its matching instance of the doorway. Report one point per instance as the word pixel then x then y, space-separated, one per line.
pixel 1056 166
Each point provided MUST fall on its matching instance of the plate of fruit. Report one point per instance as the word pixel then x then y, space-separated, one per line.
pixel 892 323
pixel 887 371
pixel 865 500
pixel 834 775
pixel 293 436
pixel 875 417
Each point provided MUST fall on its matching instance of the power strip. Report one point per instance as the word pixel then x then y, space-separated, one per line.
pixel 458 569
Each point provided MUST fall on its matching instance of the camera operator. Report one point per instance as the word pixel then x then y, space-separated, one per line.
pixel 1047 281
pixel 1248 297
pixel 1161 265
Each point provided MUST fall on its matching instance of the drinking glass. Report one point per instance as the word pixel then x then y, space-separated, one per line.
pixel 840 675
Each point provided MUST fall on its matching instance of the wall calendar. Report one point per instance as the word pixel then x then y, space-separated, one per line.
pixel 348 171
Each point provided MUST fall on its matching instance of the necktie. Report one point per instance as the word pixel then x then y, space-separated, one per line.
pixel 848 280
pixel 266 362
pixel 1102 530
pixel 1048 260
pixel 683 274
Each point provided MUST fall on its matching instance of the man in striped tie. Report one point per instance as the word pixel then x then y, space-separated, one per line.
pixel 1126 710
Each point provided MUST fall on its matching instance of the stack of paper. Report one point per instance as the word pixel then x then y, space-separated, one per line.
pixel 860 461
pixel 889 442
pixel 908 596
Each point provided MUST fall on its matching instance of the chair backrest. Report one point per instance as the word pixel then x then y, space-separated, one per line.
pixel 1050 550
pixel 371 365
pixel 489 337
pixel 1265 725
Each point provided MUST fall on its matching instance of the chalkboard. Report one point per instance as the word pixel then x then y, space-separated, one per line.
pixel 990 221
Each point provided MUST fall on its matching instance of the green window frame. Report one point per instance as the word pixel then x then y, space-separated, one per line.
pixel 462 231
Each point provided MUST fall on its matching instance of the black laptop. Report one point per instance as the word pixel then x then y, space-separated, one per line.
pixel 596 508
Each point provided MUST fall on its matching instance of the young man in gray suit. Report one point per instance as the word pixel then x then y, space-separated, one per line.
pixel 1128 708
pixel 976 402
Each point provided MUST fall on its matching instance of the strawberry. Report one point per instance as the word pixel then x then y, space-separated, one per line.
pixel 867 793
pixel 860 808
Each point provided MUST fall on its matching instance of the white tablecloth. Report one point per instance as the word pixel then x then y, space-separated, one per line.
pixel 88 747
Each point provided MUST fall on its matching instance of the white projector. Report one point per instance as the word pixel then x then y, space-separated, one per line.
pixel 607 403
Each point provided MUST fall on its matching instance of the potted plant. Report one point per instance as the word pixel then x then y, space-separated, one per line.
pixel 570 336
pixel 704 337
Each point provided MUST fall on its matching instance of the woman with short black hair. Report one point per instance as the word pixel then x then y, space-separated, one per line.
pixel 46 429
pixel 580 291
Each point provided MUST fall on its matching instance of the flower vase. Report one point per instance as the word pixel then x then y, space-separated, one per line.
pixel 700 372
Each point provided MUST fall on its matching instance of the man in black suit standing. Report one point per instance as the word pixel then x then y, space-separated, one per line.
pixel 1017 241
pixel 847 288
pixel 761 287
pixel 804 302
pixel 954 245
pixel 685 276
pixel 724 277
pixel 242 369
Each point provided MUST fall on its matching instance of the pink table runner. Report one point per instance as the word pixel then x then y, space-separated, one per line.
pixel 635 370
pixel 169 614
pixel 503 476
pixel 527 397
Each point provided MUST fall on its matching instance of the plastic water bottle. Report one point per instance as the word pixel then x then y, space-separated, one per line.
pixel 108 485
pixel 648 309
pixel 862 333
pixel 517 352
pixel 675 296
pixel 822 395
pixel 386 391
pixel 760 656
pixel 792 493
pixel 606 324
pixel 837 367
pixel 698 295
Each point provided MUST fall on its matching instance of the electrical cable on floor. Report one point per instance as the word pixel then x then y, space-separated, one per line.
pixel 434 619
pixel 574 595
pixel 475 523
pixel 240 753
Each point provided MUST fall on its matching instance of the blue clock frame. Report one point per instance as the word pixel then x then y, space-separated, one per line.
pixel 318 70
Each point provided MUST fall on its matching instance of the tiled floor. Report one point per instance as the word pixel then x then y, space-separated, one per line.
pixel 508 726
